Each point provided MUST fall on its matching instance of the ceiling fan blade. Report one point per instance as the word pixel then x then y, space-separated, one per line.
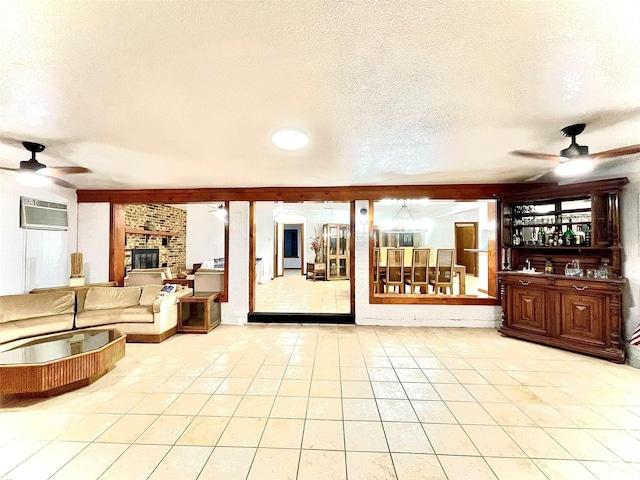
pixel 538 156
pixel 55 171
pixel 535 177
pixel 62 183
pixel 617 152
pixel 546 177
pixel 10 169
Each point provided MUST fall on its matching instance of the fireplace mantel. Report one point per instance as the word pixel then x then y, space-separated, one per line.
pixel 139 231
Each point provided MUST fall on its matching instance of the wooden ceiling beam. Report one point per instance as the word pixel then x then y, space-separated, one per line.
pixel 305 194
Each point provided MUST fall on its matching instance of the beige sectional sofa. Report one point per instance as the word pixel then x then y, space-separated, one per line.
pixel 136 311
pixel 23 316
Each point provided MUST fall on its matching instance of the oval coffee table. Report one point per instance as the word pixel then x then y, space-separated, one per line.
pixel 53 364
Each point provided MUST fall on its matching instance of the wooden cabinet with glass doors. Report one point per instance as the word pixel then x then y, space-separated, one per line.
pixel 336 238
pixel 562 283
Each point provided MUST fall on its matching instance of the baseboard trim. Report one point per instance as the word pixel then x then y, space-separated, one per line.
pixel 324 318
pixel 150 338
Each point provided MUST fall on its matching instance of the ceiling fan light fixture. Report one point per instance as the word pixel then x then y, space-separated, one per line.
pixel 32 179
pixel 576 166
pixel 290 139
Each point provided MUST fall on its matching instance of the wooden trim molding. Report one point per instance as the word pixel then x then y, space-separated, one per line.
pixel 150 337
pixel 252 256
pixel 117 243
pixel 304 194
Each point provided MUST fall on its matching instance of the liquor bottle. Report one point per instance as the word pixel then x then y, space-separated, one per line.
pixel 569 236
pixel 587 235
pixel 548 266
pixel 560 240
pixel 554 238
pixel 520 238
pixel 579 236
pixel 515 240
pixel 540 236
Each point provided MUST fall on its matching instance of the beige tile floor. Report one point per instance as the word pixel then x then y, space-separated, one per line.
pixel 334 402
pixel 293 293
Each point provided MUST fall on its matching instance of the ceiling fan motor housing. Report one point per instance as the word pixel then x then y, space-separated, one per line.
pixel 32 164
pixel 574 150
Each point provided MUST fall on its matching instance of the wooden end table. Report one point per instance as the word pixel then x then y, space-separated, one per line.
pixel 199 313
pixel 187 282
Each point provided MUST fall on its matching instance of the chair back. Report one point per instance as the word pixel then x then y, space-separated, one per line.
pixel 444 265
pixel 376 270
pixel 420 267
pixel 395 268
pixel 205 280
pixel 442 278
pixel 139 278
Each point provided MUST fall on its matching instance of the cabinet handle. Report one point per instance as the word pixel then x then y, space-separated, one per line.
pixel 580 289
pixel 524 283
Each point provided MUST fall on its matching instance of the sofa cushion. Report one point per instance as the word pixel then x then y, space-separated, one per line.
pixel 137 314
pixel 81 291
pixel 20 307
pixel 104 298
pixel 134 314
pixel 149 294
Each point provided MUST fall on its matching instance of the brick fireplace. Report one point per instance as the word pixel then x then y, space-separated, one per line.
pixel 158 227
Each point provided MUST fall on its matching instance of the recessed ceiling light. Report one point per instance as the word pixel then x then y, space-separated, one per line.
pixel 290 139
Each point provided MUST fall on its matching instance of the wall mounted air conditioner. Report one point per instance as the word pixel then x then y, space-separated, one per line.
pixel 42 215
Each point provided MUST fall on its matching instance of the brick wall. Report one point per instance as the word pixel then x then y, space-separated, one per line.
pixel 160 218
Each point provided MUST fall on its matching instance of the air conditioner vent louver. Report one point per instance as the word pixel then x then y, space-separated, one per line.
pixel 42 215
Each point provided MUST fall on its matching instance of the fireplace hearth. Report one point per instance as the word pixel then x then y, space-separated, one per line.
pixel 145 258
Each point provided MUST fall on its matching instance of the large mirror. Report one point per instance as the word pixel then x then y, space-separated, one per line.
pixel 425 247
pixel 303 257
pixel 186 241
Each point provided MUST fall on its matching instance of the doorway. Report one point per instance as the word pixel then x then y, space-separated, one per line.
pixel 466 239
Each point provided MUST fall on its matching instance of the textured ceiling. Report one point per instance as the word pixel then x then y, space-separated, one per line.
pixel 187 94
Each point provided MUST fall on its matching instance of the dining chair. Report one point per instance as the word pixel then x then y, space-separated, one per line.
pixel 395 270
pixel 442 277
pixel 377 285
pixel 419 270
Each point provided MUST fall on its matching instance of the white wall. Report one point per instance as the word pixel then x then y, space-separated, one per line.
pixel 33 258
pixel 235 311
pixel 630 208
pixel 264 238
pixel 93 240
pixel 205 234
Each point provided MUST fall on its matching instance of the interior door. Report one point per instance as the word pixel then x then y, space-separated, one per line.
pixel 466 235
